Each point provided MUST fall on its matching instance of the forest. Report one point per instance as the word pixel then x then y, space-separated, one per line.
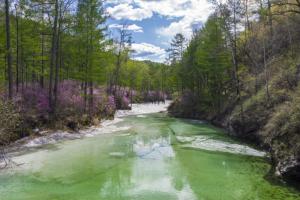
pixel 60 68
pixel 241 72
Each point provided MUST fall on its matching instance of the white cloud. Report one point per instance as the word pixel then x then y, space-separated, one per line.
pixel 135 28
pixel 127 11
pixel 185 15
pixel 188 12
pixel 146 51
pixel 132 27
pixel 194 13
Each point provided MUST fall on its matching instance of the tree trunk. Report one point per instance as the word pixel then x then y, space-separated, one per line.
pixel 55 90
pixel 42 48
pixel 8 51
pixel 53 55
pixel 91 99
pixel 266 70
pixel 86 82
pixel 22 63
pixel 17 47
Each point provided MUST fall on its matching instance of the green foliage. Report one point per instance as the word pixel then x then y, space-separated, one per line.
pixel 204 68
pixel 78 52
pixel 142 75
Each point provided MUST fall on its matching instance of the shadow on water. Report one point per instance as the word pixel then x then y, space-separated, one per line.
pixel 289 184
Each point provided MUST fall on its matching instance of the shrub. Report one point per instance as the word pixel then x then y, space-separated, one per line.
pixel 34 101
pixel 153 96
pixel 30 109
pixel 10 122
pixel 122 96
pixel 72 106
pixel 185 105
pixel 110 106
pixel 70 100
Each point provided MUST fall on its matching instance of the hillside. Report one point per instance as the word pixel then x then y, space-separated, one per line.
pixel 251 90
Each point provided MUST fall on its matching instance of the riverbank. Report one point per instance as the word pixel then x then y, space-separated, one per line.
pixel 47 137
pixel 147 161
pixel 267 115
pixel 273 130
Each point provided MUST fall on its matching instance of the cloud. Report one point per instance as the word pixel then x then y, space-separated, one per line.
pixel 186 13
pixel 184 16
pixel 135 28
pixel 132 27
pixel 193 14
pixel 127 11
pixel 146 51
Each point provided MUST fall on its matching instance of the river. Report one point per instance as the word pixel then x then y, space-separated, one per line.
pixel 143 156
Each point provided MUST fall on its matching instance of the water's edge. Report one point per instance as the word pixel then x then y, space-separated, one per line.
pixel 146 156
pixel 47 137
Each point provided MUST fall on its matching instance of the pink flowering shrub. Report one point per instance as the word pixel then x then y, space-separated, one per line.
pixel 33 104
pixel 71 101
pixel 122 96
pixel 153 96
pixel 106 107
pixel 70 98
pixel 110 106
pixel 34 100
pixel 27 110
pixel 71 108
pixel 125 96
pixel 30 107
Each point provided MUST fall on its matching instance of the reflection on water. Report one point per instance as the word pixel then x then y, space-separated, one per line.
pixel 153 149
pixel 151 177
pixel 149 161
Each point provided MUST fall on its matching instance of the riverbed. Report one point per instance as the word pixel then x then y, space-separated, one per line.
pixel 143 155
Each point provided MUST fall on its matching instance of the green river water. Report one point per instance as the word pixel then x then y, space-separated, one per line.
pixel 154 157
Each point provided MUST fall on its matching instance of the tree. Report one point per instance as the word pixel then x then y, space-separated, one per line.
pixel 123 50
pixel 175 56
pixel 8 50
pixel 231 14
pixel 204 68
pixel 53 54
pixel 177 48
pixel 90 29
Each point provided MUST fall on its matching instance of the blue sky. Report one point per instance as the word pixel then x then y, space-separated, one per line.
pixel 153 23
